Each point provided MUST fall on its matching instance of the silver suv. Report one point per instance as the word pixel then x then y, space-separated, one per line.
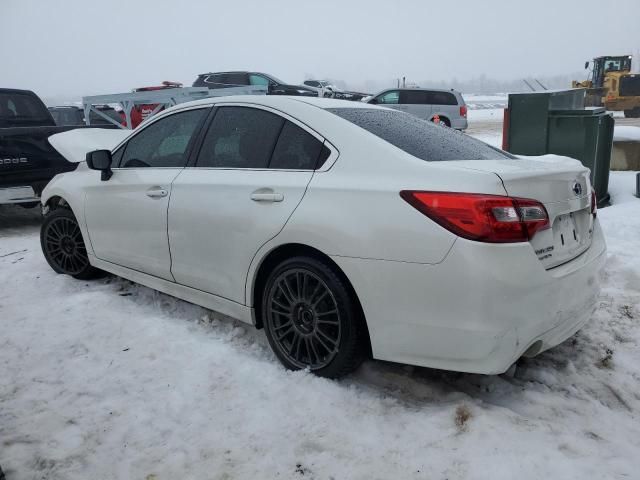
pixel 448 105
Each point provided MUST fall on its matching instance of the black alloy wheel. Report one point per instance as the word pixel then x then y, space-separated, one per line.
pixel 310 318
pixel 63 246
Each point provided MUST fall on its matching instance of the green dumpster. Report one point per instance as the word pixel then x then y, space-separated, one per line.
pixel 557 122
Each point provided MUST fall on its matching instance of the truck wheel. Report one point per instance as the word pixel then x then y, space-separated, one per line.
pixel 63 246
pixel 633 113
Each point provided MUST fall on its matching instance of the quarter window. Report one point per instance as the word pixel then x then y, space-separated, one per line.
pixel 296 149
pixel 442 98
pixel 240 137
pixel 163 143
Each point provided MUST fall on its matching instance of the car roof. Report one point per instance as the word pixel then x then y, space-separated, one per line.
pixel 418 89
pixel 275 101
pixel 229 71
pixel 17 91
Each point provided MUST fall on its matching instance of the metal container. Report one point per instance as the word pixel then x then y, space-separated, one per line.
pixel 557 122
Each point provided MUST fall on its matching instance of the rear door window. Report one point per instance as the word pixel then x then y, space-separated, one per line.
pixel 240 137
pixel 214 80
pixel 235 79
pixel 296 149
pixel 414 97
pixel 418 137
pixel 442 98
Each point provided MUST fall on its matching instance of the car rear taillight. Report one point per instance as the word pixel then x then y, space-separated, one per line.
pixel 594 203
pixel 463 111
pixel 479 217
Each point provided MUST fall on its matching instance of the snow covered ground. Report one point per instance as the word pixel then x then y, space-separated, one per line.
pixel 110 380
pixel 624 133
pixel 482 102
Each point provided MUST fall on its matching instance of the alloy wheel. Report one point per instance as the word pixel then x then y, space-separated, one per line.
pixel 65 247
pixel 304 319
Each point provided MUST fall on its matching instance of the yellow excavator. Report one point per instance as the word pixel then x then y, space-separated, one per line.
pixel 612 85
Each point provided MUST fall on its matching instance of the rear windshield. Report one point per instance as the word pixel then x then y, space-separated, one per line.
pixel 17 109
pixel 66 116
pixel 420 138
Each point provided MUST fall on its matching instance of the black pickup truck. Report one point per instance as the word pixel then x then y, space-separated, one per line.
pixel 27 159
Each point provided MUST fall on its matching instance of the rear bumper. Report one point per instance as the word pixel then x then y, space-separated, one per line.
pixel 459 123
pixel 480 309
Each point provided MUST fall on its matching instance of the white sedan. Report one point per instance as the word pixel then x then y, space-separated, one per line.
pixel 345 230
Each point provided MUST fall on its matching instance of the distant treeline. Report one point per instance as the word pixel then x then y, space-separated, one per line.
pixel 481 84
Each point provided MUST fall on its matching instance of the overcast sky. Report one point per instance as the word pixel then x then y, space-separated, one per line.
pixel 79 47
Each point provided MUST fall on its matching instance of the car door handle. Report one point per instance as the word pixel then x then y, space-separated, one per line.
pixel 267 197
pixel 157 192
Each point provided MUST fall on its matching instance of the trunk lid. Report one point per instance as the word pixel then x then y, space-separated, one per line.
pixel 562 184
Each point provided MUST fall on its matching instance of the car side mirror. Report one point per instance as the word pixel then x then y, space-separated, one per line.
pixel 100 160
pixel 586 65
pixel 374 101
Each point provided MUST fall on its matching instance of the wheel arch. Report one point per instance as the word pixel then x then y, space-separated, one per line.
pixel 443 118
pixel 281 253
pixel 54 202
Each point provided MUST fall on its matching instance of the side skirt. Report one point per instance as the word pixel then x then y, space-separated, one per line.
pixel 198 297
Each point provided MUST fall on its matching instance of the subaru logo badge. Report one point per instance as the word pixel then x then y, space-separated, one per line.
pixel 577 188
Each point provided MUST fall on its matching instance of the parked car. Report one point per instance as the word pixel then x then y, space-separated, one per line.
pixel 448 105
pixel 27 160
pixel 323 87
pixel 240 79
pixel 343 229
pixel 72 115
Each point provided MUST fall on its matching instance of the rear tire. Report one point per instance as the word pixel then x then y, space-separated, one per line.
pixel 444 122
pixel 633 113
pixel 63 246
pixel 310 318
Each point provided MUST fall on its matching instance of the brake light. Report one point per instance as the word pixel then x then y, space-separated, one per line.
pixel 463 111
pixel 479 217
pixel 594 203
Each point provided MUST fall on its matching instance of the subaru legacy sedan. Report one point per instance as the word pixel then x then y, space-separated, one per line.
pixel 345 230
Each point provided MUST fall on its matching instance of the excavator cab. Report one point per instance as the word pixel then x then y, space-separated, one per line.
pixel 612 85
pixel 604 65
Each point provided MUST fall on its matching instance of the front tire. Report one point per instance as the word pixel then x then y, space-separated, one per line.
pixel 310 318
pixel 63 246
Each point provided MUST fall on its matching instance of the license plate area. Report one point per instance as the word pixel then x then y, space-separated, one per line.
pixel 572 234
